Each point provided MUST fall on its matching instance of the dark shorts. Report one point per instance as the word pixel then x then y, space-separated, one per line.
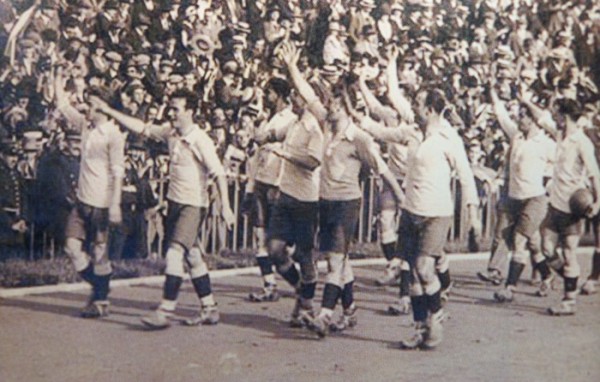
pixel 525 216
pixel 294 222
pixel 87 223
pixel 183 223
pixel 562 223
pixel 422 235
pixel 337 224
pixel 266 196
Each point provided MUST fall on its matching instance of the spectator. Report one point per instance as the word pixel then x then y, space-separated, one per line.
pixel 13 207
pixel 128 240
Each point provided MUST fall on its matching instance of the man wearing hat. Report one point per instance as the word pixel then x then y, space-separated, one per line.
pixel 56 182
pixel 13 224
pixel 128 240
pixel 98 62
pixel 46 17
pixel 113 74
pixel 98 196
pixel 107 18
pixel 137 37
pixel 162 25
pixel 335 44
pixel 361 19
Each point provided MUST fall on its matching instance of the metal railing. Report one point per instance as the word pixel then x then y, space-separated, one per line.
pixel 215 237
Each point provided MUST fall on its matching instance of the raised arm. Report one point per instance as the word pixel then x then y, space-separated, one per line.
pixel 381 133
pixel 289 54
pixel 506 123
pixel 132 124
pixel 386 114
pixel 542 117
pixel 394 93
pixel 75 118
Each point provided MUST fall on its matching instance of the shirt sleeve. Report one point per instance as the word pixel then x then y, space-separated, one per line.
pixel 157 132
pixel 509 127
pixel 368 153
pixel 457 157
pixel 316 143
pixel 378 131
pixel 589 159
pixel 279 131
pixel 208 154
pixel 75 118
pixel 116 153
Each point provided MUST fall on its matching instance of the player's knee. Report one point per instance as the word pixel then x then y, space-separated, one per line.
pixel 388 226
pixel 102 264
pixel 335 264
pixel 520 257
pixel 425 267
pixel 548 249
pixel 416 289
pixel 534 246
pixel 198 267
pixel 404 265
pixel 347 273
pixel 537 257
pixel 174 260
pixel 571 267
pixel 76 254
pixel 278 253
pixel 520 242
pixel 442 263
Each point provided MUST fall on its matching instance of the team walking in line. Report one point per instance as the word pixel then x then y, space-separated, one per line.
pixel 304 192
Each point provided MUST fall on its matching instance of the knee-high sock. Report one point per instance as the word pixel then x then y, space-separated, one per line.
pixel 514 273
pixel 348 295
pixel 171 287
pixel 419 307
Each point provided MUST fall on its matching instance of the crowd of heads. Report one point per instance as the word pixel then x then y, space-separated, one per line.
pixel 221 56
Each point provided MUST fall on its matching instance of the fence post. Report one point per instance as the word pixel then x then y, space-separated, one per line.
pixel 161 198
pixel 236 211
pixel 361 212
pixel 370 208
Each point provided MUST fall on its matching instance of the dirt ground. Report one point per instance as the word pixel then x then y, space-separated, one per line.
pixel 42 338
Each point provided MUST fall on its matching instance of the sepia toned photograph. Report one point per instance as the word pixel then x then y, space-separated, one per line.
pixel 299 190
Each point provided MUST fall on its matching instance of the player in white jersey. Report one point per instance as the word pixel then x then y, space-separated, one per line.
pixel 193 162
pixel 575 168
pixel 98 195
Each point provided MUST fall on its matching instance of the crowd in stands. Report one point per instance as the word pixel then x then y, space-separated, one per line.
pixel 227 50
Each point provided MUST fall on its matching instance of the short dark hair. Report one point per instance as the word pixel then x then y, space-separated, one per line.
pixel 104 94
pixel 435 100
pixel 569 107
pixel 191 99
pixel 280 86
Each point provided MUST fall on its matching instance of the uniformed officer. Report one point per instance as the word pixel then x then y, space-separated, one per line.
pixel 12 224
pixel 56 188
